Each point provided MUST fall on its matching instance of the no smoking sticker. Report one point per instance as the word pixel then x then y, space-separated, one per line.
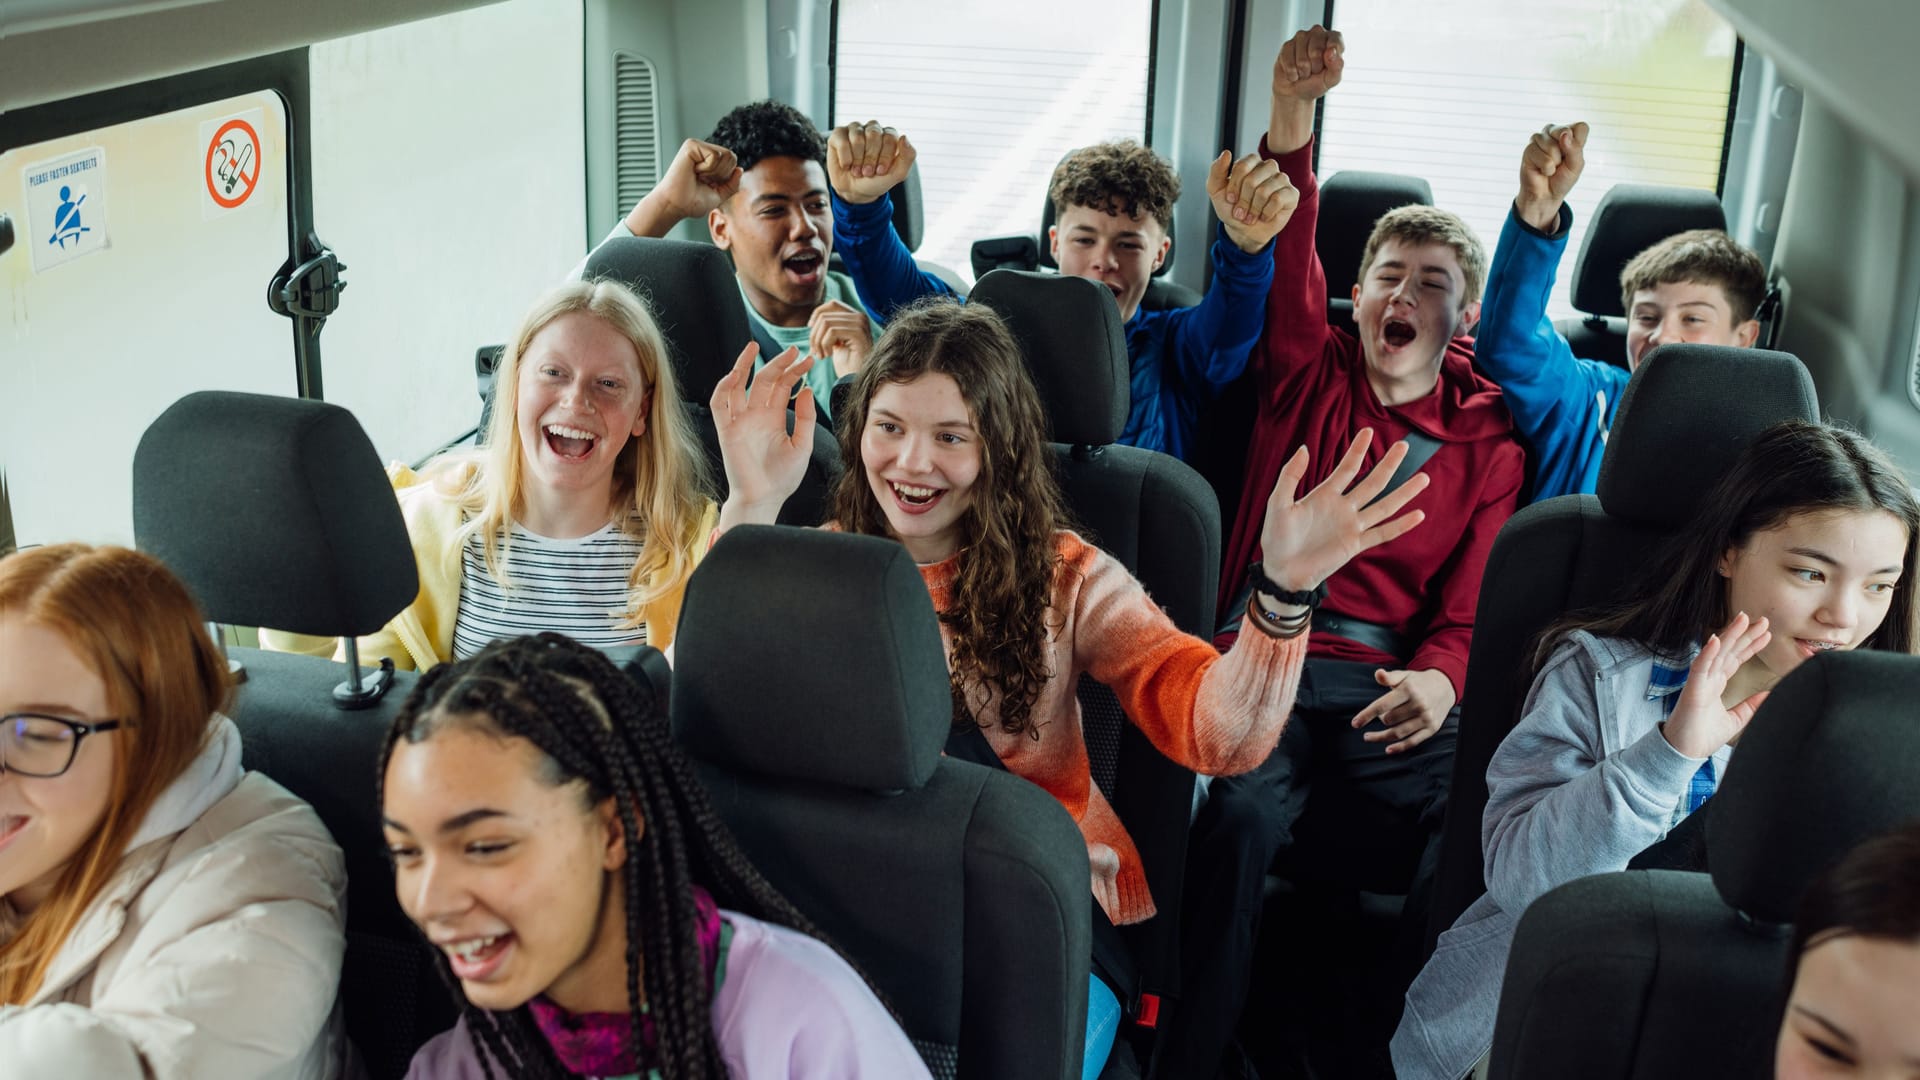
pixel 232 159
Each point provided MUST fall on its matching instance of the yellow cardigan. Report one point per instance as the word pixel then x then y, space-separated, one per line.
pixel 422 634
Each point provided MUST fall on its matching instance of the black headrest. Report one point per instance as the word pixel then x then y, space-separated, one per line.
pixel 1351 202
pixel 1630 219
pixel 1069 329
pixel 909 209
pixel 694 297
pixel 275 512
pixel 1825 764
pixel 1047 218
pixel 1686 414
pixel 812 655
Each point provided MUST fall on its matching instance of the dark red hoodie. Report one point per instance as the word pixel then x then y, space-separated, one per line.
pixel 1312 385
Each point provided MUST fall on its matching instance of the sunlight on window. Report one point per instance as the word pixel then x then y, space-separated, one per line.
pixel 1456 101
pixel 992 93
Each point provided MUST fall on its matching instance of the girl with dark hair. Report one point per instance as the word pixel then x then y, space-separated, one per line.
pixel 1854 976
pixel 1806 545
pixel 593 915
pixel 163 912
pixel 945 447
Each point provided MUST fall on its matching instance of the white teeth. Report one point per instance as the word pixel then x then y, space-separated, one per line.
pixel 912 492
pixel 566 432
pixel 467 950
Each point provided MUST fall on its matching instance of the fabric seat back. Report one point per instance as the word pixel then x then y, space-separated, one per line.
pixel 276 513
pixel 695 298
pixel 1652 974
pixel 1677 431
pixel 962 890
pixel 1160 520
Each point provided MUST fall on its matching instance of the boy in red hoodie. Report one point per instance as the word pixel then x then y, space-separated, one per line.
pixel 1388 658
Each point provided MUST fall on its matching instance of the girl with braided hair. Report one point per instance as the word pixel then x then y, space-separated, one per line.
pixel 945 447
pixel 593 915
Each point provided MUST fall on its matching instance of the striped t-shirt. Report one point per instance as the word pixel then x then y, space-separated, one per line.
pixel 573 587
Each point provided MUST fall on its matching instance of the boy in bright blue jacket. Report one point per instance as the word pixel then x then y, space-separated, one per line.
pixel 1114 204
pixel 1697 286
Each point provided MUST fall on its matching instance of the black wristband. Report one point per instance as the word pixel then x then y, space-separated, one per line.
pixel 1258 581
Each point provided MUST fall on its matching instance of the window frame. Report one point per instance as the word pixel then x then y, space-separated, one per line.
pixel 284 74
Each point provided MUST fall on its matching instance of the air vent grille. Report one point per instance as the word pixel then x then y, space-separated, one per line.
pixel 636 119
pixel 1913 363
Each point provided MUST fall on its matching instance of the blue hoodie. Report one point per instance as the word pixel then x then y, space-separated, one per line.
pixel 1562 404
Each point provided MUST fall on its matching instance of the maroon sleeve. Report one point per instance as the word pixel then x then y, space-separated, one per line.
pixel 1450 631
pixel 1296 325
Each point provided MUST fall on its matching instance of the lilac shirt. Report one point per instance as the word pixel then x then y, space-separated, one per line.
pixel 788 1007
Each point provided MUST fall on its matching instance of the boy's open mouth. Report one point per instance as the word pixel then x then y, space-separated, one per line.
pixel 1399 333
pixel 569 442
pixel 804 265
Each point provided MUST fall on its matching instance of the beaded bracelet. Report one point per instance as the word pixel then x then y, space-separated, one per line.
pixel 1275 625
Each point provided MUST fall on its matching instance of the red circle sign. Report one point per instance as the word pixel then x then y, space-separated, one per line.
pixel 233 163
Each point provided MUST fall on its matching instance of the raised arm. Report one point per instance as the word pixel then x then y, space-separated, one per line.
pixel 1222 714
pixel 864 162
pixel 1253 200
pixel 700 178
pixel 1559 402
pixel 764 461
pixel 1308 65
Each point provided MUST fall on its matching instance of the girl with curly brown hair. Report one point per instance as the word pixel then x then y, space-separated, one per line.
pixel 944 442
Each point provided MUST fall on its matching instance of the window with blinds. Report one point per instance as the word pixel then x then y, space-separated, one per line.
pixel 1451 89
pixel 992 93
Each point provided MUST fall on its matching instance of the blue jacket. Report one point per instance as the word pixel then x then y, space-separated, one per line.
pixel 1180 358
pixel 1562 404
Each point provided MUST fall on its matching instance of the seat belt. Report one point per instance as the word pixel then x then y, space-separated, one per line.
pixel 1420 450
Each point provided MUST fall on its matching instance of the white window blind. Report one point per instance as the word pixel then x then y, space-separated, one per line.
pixel 992 93
pixel 1451 89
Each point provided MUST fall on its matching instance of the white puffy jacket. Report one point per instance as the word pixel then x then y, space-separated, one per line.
pixel 214 952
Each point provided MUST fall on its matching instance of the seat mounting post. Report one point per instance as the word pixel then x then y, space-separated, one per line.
pixel 358 693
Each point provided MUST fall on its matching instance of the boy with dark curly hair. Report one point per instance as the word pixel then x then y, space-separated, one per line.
pixel 1113 207
pixel 760 181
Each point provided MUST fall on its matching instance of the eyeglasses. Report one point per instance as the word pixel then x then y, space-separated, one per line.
pixel 43 746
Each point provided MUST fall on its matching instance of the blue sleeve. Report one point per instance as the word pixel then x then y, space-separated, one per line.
pixel 882 269
pixel 1561 403
pixel 1211 340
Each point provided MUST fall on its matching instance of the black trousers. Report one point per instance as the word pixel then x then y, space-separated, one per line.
pixel 1385 808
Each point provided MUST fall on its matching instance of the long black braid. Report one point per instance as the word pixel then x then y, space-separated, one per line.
pixel 595 724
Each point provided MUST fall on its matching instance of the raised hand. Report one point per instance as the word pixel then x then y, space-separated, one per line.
pixel 841 333
pixel 700 178
pixel 1303 541
pixel 1549 167
pixel 1413 708
pixel 1252 198
pixel 1309 64
pixel 764 462
pixel 1701 722
pixel 865 160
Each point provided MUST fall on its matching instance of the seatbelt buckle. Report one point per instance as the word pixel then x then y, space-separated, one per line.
pixel 1146 1011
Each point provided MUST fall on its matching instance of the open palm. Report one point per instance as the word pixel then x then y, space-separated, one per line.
pixel 1303 541
pixel 764 461
pixel 1701 723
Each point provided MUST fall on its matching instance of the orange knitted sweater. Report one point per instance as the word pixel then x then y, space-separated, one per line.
pixel 1215 714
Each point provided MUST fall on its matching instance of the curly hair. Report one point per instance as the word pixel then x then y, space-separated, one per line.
pixel 592 722
pixel 769 129
pixel 1119 177
pixel 1001 598
pixel 1704 257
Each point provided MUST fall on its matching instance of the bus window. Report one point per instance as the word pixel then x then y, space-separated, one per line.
pixel 160 237
pixel 992 93
pixel 1456 101
pixel 447 174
